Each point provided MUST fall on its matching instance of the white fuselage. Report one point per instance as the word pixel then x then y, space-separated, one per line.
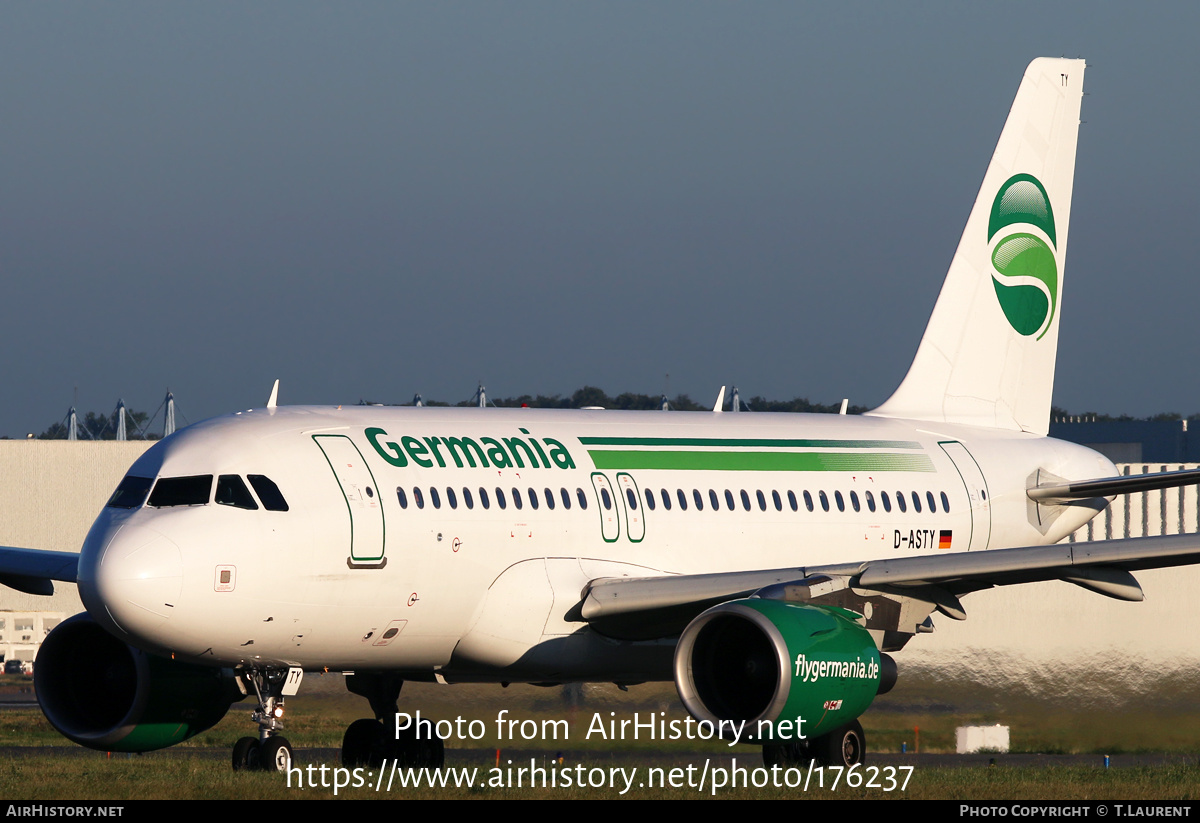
pixel 395 552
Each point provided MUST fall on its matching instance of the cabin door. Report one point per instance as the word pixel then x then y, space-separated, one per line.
pixel 976 486
pixel 361 496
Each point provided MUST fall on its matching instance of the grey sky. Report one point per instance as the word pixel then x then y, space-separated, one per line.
pixel 370 200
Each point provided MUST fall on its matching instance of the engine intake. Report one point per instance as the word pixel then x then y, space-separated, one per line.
pixel 103 694
pixel 770 663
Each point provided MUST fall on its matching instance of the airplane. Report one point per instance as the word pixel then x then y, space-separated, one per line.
pixel 769 564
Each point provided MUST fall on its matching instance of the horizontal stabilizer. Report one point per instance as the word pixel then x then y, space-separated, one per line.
pixel 1109 486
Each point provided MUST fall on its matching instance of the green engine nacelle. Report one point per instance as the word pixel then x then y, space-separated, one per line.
pixel 101 693
pixel 771 663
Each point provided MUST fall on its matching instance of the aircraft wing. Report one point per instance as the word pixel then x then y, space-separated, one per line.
pixel 661 606
pixel 33 570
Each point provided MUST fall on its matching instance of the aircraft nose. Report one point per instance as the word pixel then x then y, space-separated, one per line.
pixel 133 579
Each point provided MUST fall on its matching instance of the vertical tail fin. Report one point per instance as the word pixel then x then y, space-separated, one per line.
pixel 987 357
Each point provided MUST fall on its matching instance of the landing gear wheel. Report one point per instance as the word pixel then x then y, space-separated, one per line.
pixel 407 750
pixel 435 753
pixel 786 755
pixel 427 754
pixel 364 744
pixel 846 746
pixel 246 755
pixel 269 751
pixel 275 755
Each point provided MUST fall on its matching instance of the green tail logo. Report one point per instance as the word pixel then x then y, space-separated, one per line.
pixel 1028 293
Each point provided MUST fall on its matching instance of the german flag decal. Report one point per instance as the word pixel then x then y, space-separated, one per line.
pixel 944 538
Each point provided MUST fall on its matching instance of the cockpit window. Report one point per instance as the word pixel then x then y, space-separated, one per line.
pixel 232 491
pixel 182 491
pixel 131 492
pixel 268 493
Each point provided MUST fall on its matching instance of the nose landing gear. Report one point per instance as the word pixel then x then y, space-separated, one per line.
pixel 270 751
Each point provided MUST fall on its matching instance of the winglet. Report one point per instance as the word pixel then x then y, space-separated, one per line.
pixel 274 395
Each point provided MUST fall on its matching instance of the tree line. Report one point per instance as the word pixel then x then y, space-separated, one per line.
pixel 100 426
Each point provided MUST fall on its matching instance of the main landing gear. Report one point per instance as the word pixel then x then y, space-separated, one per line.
pixel 270 751
pixel 846 746
pixel 369 742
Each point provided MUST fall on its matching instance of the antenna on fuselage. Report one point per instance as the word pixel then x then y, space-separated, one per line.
pixel 720 401
pixel 272 400
pixel 845 405
pixel 735 404
pixel 418 401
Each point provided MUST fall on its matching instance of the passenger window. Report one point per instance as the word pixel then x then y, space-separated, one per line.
pixel 682 499
pixel 792 500
pixel 808 504
pixel 887 501
pixel 500 501
pixel 666 499
pixel 649 499
pixel 483 498
pixel 181 491
pixel 745 500
pixel 581 497
pixel 900 504
pixel 418 498
pixel 232 491
pixel 870 501
pixel 729 500
pixel 516 497
pixel 916 502
pixel 549 499
pixel 824 500
pixel 533 501
pixel 775 499
pixel 854 500
pixel 762 501
pixel 713 501
pixel 699 500
pixel 605 499
pixel 131 492
pixel 945 503
pixel 566 498
pixel 632 498
pixel 267 492
pixel 929 500
pixel 470 501
pixel 841 503
pixel 434 497
pixel 451 498
pixel 402 497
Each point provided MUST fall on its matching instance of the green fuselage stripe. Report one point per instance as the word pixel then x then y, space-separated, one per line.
pixel 748 461
pixel 753 442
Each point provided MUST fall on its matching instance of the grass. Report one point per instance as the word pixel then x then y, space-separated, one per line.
pixel 46 767
pixel 194 775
